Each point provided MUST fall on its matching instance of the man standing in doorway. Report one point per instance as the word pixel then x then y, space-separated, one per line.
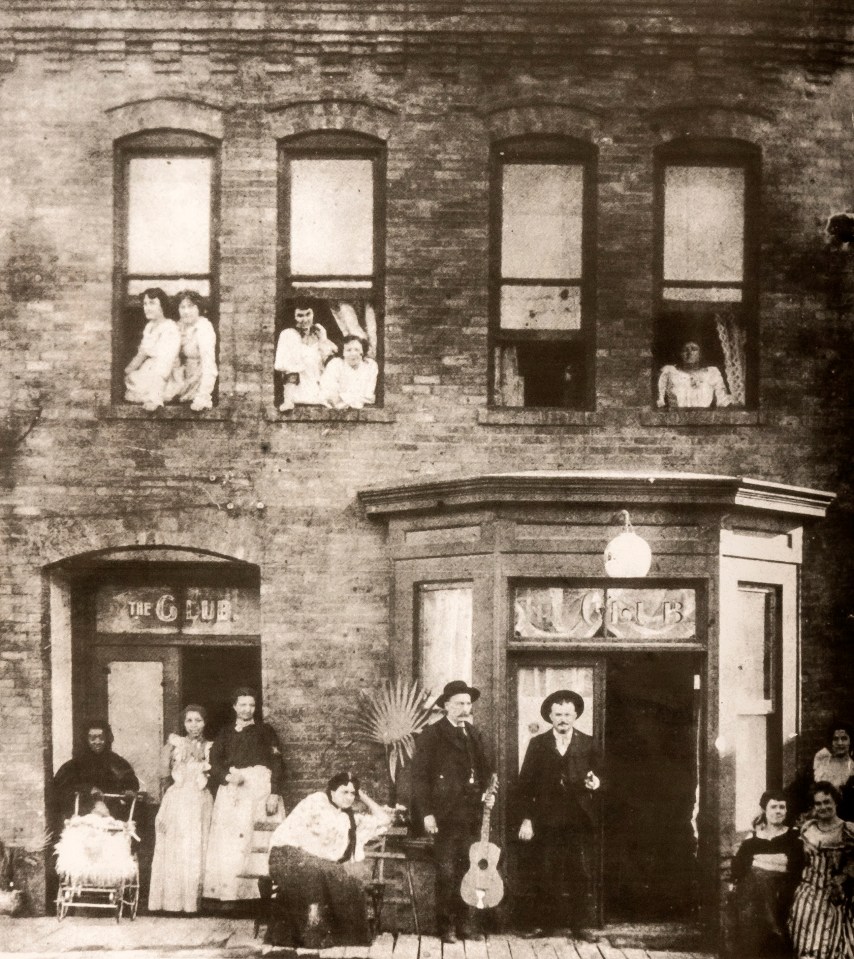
pixel 450 772
pixel 556 786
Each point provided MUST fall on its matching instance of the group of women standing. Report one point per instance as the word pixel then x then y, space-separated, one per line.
pixel 794 887
pixel 202 844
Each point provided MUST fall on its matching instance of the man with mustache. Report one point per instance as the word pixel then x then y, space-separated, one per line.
pixel 556 786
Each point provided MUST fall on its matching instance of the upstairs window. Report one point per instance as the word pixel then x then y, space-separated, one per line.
pixel 541 332
pixel 705 348
pixel 166 213
pixel 331 262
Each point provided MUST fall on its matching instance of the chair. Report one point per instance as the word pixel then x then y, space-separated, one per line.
pixel 381 854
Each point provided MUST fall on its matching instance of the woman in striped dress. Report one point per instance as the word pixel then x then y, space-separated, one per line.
pixel 822 918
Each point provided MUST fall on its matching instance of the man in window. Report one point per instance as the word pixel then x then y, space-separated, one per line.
pixel 556 786
pixel 301 354
pixel 450 772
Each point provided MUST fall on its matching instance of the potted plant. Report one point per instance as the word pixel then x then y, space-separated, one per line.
pixel 11 898
pixel 392 716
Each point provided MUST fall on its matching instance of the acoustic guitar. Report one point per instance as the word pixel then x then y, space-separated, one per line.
pixel 482 887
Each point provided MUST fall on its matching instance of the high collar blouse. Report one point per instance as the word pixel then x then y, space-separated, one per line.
pixel 319 827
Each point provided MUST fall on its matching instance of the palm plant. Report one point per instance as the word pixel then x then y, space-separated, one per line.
pixel 392 716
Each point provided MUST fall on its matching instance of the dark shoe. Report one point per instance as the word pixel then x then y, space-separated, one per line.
pixel 535 933
pixel 449 937
pixel 585 935
pixel 473 936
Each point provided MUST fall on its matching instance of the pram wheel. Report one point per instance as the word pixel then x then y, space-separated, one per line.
pixel 64 896
pixel 128 898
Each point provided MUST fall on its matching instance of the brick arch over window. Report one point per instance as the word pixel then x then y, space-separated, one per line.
pixel 537 118
pixel 707 200
pixel 176 113
pixel 366 117
pixel 741 122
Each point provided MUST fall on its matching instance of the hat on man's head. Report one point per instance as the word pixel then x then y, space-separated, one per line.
pixel 454 688
pixel 561 696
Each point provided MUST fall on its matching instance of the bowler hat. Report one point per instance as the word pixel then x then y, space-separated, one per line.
pixel 561 695
pixel 454 688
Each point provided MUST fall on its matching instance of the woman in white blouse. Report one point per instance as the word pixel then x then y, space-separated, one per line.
pixel 688 384
pixel 314 854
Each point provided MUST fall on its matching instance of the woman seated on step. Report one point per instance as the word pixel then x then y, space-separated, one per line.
pixel 317 864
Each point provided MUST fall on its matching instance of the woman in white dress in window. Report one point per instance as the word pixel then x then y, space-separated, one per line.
pixel 350 383
pixel 183 820
pixel 194 376
pixel 149 372
pixel 688 384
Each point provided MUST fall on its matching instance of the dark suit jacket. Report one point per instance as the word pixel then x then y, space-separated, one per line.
pixel 552 793
pixel 441 773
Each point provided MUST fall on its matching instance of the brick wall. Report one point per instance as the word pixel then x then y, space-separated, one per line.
pixel 438 84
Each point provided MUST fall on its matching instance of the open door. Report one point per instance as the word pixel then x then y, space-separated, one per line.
pixel 533 678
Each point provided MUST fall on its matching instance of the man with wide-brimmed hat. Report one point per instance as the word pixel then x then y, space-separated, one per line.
pixel 556 787
pixel 450 772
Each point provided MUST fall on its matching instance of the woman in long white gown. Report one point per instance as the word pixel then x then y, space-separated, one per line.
pixel 183 820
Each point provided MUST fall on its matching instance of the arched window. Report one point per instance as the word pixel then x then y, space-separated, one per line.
pixel 332 241
pixel 707 195
pixel 167 207
pixel 542 290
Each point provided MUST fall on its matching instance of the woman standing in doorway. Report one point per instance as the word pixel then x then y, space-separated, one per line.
pixel 246 766
pixel 183 821
pixel 822 919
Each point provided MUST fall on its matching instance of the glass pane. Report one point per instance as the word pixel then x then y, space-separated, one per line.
pixel 534 683
pixel 332 217
pixel 751 765
pixel 541 221
pixel 703 224
pixel 751 650
pixel 557 613
pixel 444 635
pixel 135 704
pixel 169 215
pixel 540 307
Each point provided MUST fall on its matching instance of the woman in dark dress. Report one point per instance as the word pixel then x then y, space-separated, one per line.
pixel 766 870
pixel 317 864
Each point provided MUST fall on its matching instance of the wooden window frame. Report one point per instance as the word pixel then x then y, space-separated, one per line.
pixel 709 153
pixel 156 143
pixel 332 145
pixel 547 150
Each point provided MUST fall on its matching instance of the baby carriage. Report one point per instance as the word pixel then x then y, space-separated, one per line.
pixel 97 866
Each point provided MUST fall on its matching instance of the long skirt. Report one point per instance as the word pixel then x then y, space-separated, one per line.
pixel 181 830
pixel 761 905
pixel 318 903
pixel 230 842
pixel 821 927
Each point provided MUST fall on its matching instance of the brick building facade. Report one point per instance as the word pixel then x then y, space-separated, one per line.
pixel 437 106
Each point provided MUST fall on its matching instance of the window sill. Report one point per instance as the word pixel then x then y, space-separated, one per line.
pixel 516 416
pixel 722 417
pixel 321 414
pixel 130 411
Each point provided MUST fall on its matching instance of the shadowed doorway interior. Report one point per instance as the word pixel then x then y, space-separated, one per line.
pixel 210 674
pixel 651 800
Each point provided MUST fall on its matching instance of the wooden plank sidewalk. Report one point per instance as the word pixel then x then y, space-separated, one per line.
pixel 494 947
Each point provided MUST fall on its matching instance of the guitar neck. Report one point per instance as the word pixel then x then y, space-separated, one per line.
pixel 484 825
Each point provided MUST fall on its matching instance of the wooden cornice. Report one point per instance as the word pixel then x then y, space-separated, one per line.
pixel 595 488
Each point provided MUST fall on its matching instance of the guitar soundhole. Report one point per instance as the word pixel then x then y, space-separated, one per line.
pixel 483 864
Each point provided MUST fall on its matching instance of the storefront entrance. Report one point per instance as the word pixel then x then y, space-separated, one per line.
pixel 642 709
